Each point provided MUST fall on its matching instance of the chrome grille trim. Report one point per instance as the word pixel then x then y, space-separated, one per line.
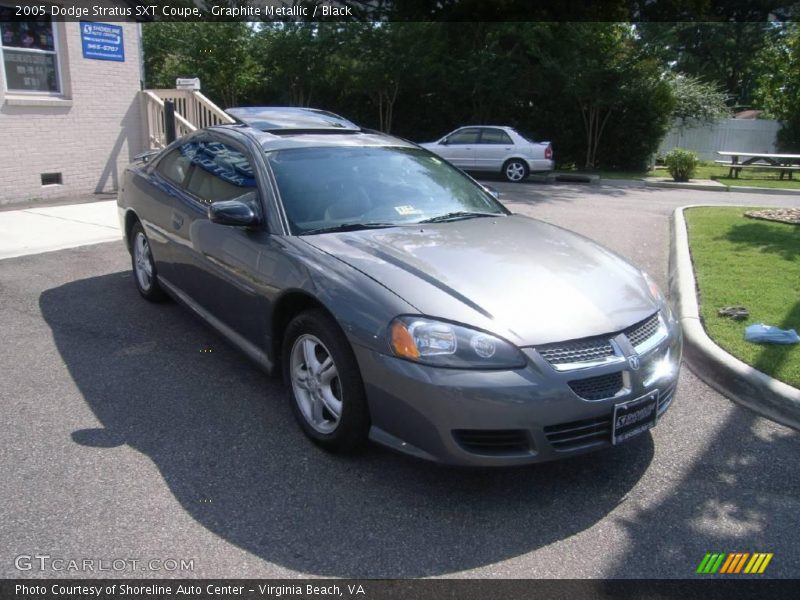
pixel 581 354
pixel 577 351
pixel 647 334
pixel 603 350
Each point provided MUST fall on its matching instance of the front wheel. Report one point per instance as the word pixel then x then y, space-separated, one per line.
pixel 144 267
pixel 515 170
pixel 325 387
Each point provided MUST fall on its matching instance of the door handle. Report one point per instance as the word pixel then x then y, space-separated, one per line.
pixel 177 220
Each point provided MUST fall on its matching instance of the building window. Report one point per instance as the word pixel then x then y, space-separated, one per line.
pixel 29 55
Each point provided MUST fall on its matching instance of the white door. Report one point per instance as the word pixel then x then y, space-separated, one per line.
pixel 459 147
pixel 492 149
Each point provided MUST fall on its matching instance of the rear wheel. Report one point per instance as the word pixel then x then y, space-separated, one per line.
pixel 325 387
pixel 515 170
pixel 144 267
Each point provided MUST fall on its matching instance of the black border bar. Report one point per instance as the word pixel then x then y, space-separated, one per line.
pixel 730 588
pixel 412 10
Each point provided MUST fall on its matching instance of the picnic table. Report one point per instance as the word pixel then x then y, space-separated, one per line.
pixel 784 163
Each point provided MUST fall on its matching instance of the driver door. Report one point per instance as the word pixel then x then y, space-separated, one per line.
pixel 219 268
pixel 460 147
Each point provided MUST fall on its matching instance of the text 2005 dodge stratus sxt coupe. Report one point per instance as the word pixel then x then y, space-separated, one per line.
pixel 399 299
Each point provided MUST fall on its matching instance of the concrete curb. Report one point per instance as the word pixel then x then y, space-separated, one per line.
pixel 715 186
pixel 760 190
pixel 727 374
pixel 707 187
pixel 575 177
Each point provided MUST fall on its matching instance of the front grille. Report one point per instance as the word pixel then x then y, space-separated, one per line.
pixel 642 331
pixel 493 441
pixel 579 434
pixel 577 351
pixel 599 387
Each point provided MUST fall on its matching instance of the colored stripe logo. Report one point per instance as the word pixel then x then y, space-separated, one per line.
pixel 733 563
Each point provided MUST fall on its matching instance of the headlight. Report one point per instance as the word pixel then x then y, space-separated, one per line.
pixel 442 344
pixel 655 291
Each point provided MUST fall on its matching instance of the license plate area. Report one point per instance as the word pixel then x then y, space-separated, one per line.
pixel 634 417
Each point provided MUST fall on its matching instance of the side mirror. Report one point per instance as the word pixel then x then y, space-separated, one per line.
pixel 239 212
pixel 146 157
pixel 443 141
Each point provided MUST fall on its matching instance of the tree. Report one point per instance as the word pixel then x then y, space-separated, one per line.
pixel 219 53
pixel 779 85
pixel 294 58
pixel 722 53
pixel 586 87
pixel 596 71
pixel 697 101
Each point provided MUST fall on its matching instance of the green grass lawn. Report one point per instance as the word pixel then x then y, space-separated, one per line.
pixel 740 261
pixel 711 170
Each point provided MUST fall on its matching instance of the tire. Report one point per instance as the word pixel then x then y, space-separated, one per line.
pixel 144 268
pixel 329 403
pixel 515 170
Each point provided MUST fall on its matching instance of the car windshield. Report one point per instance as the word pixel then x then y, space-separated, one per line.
pixel 346 188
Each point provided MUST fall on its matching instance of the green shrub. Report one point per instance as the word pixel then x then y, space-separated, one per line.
pixel 681 164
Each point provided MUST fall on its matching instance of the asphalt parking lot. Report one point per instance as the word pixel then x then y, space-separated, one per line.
pixel 132 430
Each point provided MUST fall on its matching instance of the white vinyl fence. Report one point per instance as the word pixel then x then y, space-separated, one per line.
pixel 742 135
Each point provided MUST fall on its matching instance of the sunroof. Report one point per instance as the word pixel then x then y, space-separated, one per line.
pixel 271 118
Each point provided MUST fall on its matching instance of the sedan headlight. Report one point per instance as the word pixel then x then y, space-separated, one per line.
pixel 655 291
pixel 443 344
pixel 659 297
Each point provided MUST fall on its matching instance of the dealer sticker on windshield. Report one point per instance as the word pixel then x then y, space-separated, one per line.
pixel 406 210
pixel 634 417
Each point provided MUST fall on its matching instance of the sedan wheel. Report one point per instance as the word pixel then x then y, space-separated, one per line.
pixel 325 384
pixel 144 267
pixel 316 385
pixel 515 170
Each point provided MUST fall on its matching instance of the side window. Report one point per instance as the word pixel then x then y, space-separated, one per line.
pixel 220 172
pixel 495 136
pixel 465 136
pixel 29 53
pixel 175 165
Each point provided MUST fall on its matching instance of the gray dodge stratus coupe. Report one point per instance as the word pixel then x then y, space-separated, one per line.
pixel 399 299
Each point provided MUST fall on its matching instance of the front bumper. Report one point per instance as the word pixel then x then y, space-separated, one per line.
pixel 502 418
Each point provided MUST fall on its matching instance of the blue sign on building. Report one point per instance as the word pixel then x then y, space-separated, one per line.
pixel 102 41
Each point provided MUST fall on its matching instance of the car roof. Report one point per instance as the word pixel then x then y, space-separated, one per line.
pixel 270 141
pixel 270 118
pixel 484 125
pixel 282 127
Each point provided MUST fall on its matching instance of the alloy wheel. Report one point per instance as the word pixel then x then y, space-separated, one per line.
pixel 316 385
pixel 142 261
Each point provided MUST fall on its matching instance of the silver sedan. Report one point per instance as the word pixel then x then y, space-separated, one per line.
pixel 494 149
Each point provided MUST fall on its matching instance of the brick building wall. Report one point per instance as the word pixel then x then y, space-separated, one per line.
pixel 87 132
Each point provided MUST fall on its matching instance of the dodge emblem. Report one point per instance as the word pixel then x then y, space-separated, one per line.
pixel 633 361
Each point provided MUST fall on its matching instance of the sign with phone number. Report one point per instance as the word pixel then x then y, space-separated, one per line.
pixel 102 41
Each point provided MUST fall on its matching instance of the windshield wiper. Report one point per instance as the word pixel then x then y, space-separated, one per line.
pixel 459 214
pixel 349 227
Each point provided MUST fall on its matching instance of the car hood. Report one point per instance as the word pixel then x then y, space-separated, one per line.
pixel 528 281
